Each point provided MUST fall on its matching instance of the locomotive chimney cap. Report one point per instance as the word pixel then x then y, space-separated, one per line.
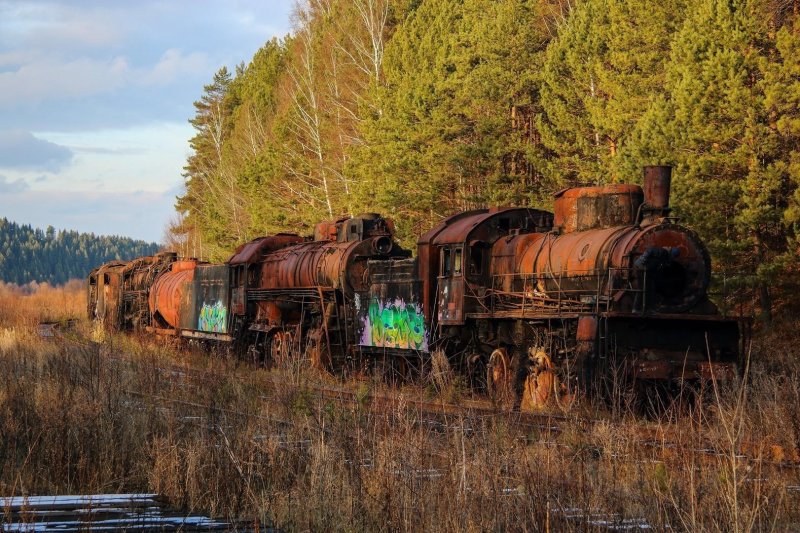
pixel 656 184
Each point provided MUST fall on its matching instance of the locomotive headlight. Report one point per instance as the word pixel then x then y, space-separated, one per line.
pixel 382 245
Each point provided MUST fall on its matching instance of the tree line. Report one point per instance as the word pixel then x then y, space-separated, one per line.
pixel 421 108
pixel 30 254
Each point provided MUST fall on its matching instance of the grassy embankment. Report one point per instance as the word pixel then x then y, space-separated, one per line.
pixel 125 414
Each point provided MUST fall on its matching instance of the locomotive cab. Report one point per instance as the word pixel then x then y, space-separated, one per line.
pixel 245 266
pixel 456 254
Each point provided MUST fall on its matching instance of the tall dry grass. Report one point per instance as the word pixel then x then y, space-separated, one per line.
pixel 29 304
pixel 131 414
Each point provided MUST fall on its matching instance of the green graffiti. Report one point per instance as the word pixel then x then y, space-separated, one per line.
pixel 213 318
pixel 394 325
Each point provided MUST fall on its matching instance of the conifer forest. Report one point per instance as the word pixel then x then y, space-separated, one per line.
pixel 30 254
pixel 421 108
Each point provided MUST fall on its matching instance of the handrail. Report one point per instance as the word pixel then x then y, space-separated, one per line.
pixel 534 293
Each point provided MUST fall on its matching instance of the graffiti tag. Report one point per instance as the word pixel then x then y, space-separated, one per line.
pixel 394 324
pixel 213 318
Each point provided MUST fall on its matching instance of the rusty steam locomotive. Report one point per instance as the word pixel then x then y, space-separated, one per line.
pixel 524 303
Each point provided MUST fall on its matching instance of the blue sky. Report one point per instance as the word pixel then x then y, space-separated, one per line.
pixel 95 97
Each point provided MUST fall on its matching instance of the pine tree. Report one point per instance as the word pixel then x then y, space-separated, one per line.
pixel 453 129
pixel 718 125
pixel 599 77
pixel 211 196
pixel 29 255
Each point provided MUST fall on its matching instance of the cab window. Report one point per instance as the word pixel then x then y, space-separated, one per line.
pixel 446 262
pixel 457 262
pixel 452 261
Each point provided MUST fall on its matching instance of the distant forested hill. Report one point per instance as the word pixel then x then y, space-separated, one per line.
pixel 31 254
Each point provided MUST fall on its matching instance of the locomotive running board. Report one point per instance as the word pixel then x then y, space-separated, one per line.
pixel 206 336
pixel 190 334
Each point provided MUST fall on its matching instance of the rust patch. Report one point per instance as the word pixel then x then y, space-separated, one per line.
pixel 585 208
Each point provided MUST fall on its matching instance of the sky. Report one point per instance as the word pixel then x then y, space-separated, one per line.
pixel 95 98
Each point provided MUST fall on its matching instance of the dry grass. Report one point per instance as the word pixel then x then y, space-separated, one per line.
pixel 133 414
pixel 30 304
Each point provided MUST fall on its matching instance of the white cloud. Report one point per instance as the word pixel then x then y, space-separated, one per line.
pixel 68 65
pixel 16 58
pixel 112 83
pixel 21 150
pixel 58 25
pixel 52 80
pixel 7 186
pixel 149 157
pixel 173 65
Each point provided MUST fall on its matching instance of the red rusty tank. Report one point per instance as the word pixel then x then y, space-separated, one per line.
pixel 169 290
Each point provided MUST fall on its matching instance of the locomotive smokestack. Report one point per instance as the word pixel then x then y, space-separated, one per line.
pixel 656 184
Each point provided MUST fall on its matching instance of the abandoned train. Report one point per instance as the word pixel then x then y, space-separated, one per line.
pixel 524 303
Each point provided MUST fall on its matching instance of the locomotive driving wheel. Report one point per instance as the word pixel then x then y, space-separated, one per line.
pixel 499 376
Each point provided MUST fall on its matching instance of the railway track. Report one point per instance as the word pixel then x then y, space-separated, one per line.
pixel 663 440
